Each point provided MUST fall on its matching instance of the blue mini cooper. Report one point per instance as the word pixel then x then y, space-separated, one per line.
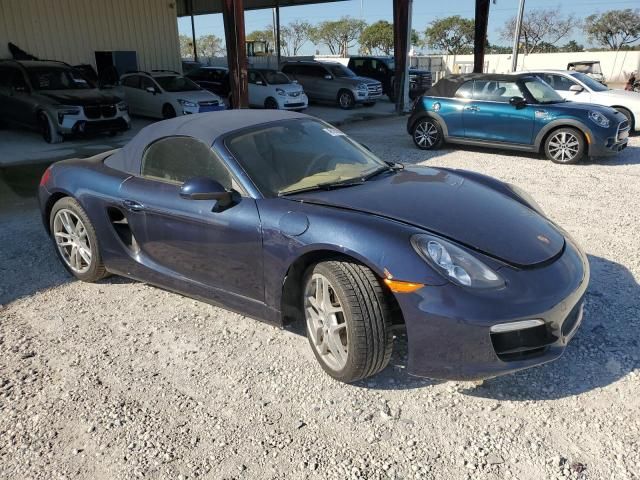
pixel 515 111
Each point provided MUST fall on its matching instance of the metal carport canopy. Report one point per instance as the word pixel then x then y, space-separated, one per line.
pixel 205 7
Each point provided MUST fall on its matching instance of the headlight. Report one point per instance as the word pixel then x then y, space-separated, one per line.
pixel 186 103
pixel 363 86
pixel 63 110
pixel 598 118
pixel 280 91
pixel 526 197
pixel 454 263
pixel 123 107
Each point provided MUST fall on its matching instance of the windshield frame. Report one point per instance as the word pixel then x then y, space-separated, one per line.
pixel 67 70
pixel 588 82
pixel 349 73
pixel 267 73
pixel 157 79
pixel 236 166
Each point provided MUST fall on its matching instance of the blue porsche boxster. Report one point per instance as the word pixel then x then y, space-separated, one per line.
pixel 282 217
pixel 517 112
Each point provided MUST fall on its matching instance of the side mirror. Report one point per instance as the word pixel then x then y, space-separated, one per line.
pixel 151 90
pixel 259 82
pixel 20 89
pixel 576 88
pixel 328 77
pixel 517 102
pixel 205 188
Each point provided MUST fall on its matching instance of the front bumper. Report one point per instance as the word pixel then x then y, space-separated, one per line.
pixel 209 107
pixel 615 142
pixel 372 94
pixel 289 102
pixel 79 124
pixel 449 327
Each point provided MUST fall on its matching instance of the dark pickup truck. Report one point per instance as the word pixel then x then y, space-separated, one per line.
pixel 383 70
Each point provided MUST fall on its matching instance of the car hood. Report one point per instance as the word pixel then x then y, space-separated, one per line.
pixel 288 87
pixel 454 207
pixel 87 97
pixel 357 79
pixel 621 95
pixel 587 107
pixel 195 96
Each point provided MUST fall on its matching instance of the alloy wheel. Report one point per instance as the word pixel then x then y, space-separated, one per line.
pixel 564 146
pixel 72 240
pixel 326 322
pixel 346 100
pixel 426 134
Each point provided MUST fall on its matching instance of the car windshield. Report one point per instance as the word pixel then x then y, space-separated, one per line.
pixel 542 92
pixel 174 83
pixel 276 78
pixel 297 155
pixel 587 68
pixel 57 78
pixel 341 71
pixel 391 63
pixel 589 82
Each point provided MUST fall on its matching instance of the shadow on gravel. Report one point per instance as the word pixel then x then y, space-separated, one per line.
pixel 605 349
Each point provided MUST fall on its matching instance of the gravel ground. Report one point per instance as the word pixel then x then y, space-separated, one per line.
pixel 121 380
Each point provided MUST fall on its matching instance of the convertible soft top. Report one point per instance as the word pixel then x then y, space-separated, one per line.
pixel 447 87
pixel 206 127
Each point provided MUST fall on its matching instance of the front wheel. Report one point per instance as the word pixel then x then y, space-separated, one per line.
pixel 48 129
pixel 348 320
pixel 427 134
pixel 168 111
pixel 75 240
pixel 346 100
pixel 271 104
pixel 565 145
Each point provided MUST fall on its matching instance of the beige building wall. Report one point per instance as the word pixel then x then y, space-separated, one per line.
pixel 72 30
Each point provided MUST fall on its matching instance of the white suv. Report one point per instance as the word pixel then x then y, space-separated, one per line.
pixel 165 94
pixel 273 89
pixel 578 87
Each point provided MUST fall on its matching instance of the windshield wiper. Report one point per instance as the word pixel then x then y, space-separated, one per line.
pixel 325 186
pixel 391 167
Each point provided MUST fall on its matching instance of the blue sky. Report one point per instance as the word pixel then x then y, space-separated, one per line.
pixel 424 11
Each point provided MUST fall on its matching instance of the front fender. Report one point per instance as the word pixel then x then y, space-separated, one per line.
pixel 564 122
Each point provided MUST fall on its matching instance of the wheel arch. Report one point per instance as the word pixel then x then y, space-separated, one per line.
pixel 292 283
pixel 542 136
pixel 51 201
pixel 433 116
pixel 633 117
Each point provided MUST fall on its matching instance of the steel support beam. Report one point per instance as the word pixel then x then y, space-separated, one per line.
pixel 193 32
pixel 277 9
pixel 480 40
pixel 401 35
pixel 233 17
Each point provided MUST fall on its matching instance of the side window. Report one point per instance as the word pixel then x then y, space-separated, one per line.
pixel 465 90
pixel 18 83
pixel 176 159
pixel 492 91
pixel 146 82
pixel 133 81
pixel 5 79
pixel 560 82
pixel 255 77
pixel 358 63
pixel 318 71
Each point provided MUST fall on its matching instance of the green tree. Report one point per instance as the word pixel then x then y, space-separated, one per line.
pixel 572 46
pixel 540 28
pixel 338 35
pixel 186 46
pixel 451 35
pixel 209 46
pixel 613 29
pixel 377 38
pixel 265 35
pixel 294 36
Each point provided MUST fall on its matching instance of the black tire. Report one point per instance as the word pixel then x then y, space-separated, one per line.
pixel 366 313
pixel 346 100
pixel 48 129
pixel 271 104
pixel 168 111
pixel 96 269
pixel 565 146
pixel 629 116
pixel 369 104
pixel 427 134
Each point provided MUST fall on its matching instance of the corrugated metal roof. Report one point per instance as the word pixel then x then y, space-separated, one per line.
pixel 203 7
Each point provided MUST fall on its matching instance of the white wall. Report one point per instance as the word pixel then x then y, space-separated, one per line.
pixel 72 30
pixel 615 65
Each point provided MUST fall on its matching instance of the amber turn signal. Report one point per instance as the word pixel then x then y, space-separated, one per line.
pixel 402 287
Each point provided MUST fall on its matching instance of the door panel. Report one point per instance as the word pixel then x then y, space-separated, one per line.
pixel 222 250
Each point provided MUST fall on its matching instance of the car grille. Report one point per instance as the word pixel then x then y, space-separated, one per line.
pixel 209 103
pixel 374 89
pixel 97 111
pixel 623 131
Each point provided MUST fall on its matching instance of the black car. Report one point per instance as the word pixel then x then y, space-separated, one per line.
pixel 57 99
pixel 383 70
pixel 214 79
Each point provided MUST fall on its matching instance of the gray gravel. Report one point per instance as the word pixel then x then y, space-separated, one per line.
pixel 121 380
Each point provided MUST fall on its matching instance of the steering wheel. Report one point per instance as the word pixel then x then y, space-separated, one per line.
pixel 314 161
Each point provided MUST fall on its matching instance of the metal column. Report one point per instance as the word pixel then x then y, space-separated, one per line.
pixel 233 16
pixel 193 32
pixel 401 45
pixel 516 37
pixel 480 39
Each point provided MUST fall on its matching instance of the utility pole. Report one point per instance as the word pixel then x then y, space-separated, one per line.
pixel 516 37
pixel 193 33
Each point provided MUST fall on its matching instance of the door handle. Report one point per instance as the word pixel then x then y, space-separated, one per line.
pixel 472 108
pixel 132 205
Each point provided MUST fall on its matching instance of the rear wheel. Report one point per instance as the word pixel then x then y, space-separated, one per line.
pixel 427 134
pixel 75 240
pixel 168 111
pixel 271 104
pixel 346 100
pixel 565 145
pixel 48 129
pixel 348 320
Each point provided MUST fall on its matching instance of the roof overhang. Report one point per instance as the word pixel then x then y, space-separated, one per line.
pixel 205 7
